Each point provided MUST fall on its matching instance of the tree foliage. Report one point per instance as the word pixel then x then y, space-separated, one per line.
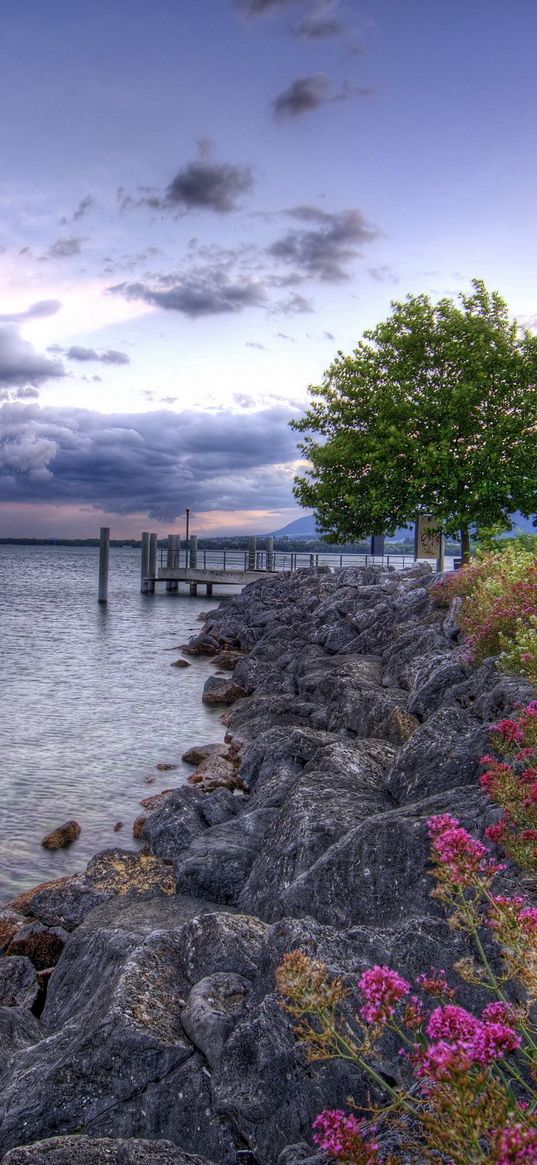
pixel 434 412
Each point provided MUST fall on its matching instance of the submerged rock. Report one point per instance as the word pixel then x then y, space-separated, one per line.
pixel 61 836
pixel 221 691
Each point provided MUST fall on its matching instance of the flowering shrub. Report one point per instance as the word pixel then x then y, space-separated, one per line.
pixel 499 609
pixel 510 780
pixel 473 1096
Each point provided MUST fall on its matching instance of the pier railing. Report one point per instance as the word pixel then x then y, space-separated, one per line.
pixel 290 560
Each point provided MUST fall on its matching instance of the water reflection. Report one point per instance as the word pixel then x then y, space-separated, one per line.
pixel 90 703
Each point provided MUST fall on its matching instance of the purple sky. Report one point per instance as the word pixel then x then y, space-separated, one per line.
pixel 203 200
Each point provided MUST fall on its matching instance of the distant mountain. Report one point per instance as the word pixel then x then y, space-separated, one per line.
pixel 300 528
pixel 305 528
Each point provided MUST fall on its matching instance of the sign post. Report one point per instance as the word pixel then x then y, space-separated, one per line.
pixel 428 539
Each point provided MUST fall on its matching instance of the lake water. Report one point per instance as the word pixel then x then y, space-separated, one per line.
pixel 89 703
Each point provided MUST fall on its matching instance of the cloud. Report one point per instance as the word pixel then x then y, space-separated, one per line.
pixel 255 8
pixel 383 274
pixel 308 93
pixel 83 207
pixel 254 344
pixel 302 96
pixel 64 248
pixel 328 246
pixel 111 356
pixel 244 400
pixel 36 311
pixel 203 292
pixel 201 185
pixel 321 21
pixel 209 185
pixel 328 336
pixel 294 305
pixel 155 462
pixel 19 364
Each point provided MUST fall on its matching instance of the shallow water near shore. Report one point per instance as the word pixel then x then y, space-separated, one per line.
pixel 90 703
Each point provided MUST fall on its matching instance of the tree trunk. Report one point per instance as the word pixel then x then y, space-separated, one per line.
pixel 465 545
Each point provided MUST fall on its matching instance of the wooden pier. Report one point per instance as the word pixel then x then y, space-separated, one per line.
pixel 231 574
pixel 173 564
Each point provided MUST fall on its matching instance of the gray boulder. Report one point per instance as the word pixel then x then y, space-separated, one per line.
pixel 100 1151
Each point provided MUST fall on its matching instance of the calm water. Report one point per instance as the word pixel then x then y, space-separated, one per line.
pixel 90 703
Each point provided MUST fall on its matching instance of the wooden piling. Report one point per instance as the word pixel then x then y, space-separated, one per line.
pixel 152 564
pixel 193 551
pixel 252 553
pixel 270 553
pixel 171 560
pixel 144 587
pixel 104 557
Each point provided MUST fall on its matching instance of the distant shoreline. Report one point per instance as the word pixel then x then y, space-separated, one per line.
pixel 233 542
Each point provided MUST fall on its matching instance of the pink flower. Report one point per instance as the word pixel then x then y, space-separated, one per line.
pixel 492 1041
pixel 382 989
pixel 434 982
pixel 461 856
pixel 451 1022
pixel 509 729
pixel 461 1041
pixel 517 1145
pixel 442 1060
pixel 441 822
pixel 497 833
pixel 498 1012
pixel 342 1135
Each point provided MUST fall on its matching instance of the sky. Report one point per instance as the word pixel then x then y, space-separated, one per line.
pixel 202 201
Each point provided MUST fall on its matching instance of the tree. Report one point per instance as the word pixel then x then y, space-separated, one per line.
pixel 434 412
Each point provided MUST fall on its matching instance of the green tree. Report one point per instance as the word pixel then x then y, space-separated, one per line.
pixel 434 412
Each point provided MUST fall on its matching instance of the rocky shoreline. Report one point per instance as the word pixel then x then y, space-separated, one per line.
pixel 138 1015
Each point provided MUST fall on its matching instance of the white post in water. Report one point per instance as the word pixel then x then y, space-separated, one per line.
pixel 270 553
pixel 252 553
pixel 145 563
pixel 152 563
pixel 104 554
pixel 193 556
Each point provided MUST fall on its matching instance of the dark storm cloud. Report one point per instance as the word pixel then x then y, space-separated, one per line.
pixel 86 354
pixel 328 246
pixel 19 364
pixel 308 93
pixel 204 293
pixel 156 462
pixel 36 311
pixel 64 248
